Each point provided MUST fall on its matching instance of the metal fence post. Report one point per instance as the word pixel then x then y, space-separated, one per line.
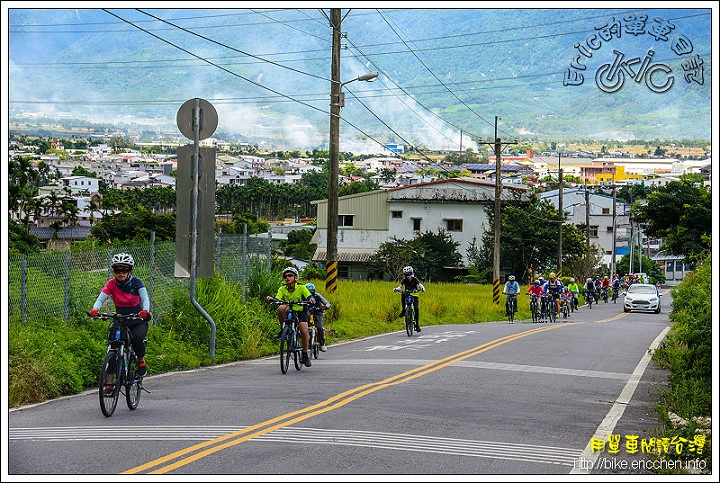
pixel 152 270
pixel 66 297
pixel 23 290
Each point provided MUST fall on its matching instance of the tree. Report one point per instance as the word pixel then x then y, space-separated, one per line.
pixel 20 240
pixel 298 244
pixel 428 253
pixel 651 267
pixel 680 213
pixel 529 239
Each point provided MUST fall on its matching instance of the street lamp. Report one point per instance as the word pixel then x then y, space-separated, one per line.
pixel 337 100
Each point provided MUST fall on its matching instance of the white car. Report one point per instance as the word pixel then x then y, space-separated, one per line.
pixel 642 296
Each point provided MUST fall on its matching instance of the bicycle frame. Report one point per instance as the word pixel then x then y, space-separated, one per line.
pixel 410 315
pixel 291 336
pixel 120 366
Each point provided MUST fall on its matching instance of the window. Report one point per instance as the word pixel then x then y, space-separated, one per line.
pixel 396 214
pixel 669 266
pixel 609 229
pixel 593 231
pixel 454 225
pixel 679 266
pixel 343 272
pixel 416 224
pixel 345 220
pixel 606 211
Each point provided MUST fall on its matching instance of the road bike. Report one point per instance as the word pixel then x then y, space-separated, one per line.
pixel 410 316
pixel 589 297
pixel 313 343
pixel 551 307
pixel 290 336
pixel 119 369
pixel 535 310
pixel 510 306
pixel 565 304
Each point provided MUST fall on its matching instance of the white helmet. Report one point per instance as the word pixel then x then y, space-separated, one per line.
pixel 292 270
pixel 511 278
pixel 408 271
pixel 572 280
pixel 123 259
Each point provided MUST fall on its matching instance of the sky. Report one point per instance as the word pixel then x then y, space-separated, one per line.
pixel 259 86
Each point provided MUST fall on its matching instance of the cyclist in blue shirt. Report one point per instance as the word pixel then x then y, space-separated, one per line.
pixel 512 288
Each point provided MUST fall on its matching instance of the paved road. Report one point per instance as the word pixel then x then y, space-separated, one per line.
pixel 491 398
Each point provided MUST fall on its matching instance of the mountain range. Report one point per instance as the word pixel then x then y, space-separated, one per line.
pixel 448 78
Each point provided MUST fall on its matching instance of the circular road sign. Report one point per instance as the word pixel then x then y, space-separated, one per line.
pixel 208 119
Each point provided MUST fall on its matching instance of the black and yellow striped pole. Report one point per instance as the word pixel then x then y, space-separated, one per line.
pixel 496 291
pixel 330 276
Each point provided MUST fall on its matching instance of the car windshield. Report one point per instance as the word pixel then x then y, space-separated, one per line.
pixel 642 289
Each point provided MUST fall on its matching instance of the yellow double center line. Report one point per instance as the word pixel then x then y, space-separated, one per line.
pixel 186 456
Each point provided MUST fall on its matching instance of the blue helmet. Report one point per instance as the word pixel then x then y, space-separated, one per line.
pixel 311 287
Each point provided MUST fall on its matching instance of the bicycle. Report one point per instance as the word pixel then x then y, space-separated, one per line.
pixel 119 369
pixel 290 336
pixel 551 307
pixel 565 307
pixel 614 296
pixel 409 311
pixel 510 306
pixel 535 308
pixel 589 296
pixel 313 344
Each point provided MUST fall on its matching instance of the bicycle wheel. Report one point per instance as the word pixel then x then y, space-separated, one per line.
pixel 312 339
pixel 409 320
pixel 589 301
pixel 551 309
pixel 286 349
pixel 133 385
pixel 533 310
pixel 109 376
pixel 297 345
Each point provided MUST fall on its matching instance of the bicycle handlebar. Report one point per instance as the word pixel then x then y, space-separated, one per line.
pixel 284 302
pixel 115 316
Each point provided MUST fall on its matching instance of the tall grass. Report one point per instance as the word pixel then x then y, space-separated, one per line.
pixel 364 308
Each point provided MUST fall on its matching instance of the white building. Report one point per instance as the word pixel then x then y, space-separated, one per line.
pixel 366 220
pixel 585 207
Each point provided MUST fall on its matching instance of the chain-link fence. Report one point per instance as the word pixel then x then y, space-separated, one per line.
pixel 64 283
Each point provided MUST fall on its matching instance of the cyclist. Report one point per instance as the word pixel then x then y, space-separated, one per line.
pixel 292 291
pixel 129 296
pixel 615 286
pixel 574 288
pixel 412 283
pixel 511 290
pixel 604 287
pixel 553 287
pixel 321 304
pixel 535 291
pixel 589 290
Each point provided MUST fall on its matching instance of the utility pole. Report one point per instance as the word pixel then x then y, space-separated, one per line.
pixel 334 167
pixel 587 226
pixel 614 235
pixel 498 194
pixel 560 221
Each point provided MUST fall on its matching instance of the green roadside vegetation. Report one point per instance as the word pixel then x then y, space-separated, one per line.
pixel 57 357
